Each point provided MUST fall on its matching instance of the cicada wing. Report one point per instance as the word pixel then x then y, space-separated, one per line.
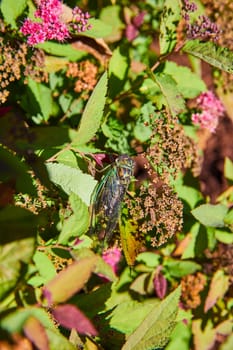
pixel 100 200
pixel 108 196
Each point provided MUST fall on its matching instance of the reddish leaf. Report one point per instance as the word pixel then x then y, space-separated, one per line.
pixel 36 333
pixel 160 284
pixel 69 316
pixel 203 338
pixel 138 20
pixel 218 287
pixel 69 281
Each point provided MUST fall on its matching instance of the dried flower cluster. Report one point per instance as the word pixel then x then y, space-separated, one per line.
pixel 221 12
pixel 59 262
pixel 171 150
pixel 50 25
pixel 16 63
pixel 35 205
pixel 85 74
pixel 157 208
pixel 158 212
pixel 211 109
pixel 203 28
pixel 192 285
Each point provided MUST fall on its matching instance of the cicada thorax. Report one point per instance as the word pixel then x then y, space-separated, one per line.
pixel 110 195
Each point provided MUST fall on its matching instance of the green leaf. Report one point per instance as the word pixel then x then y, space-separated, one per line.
pixel 156 328
pixel 14 170
pixel 77 223
pixel 99 29
pixel 210 214
pixel 17 223
pixel 93 303
pixel 181 268
pixel 38 100
pixel 169 89
pixel 12 258
pixel 69 281
pixel 228 219
pixel 67 158
pixel 14 322
pixel 189 194
pixel 224 236
pixel 44 265
pixel 128 315
pixel 111 15
pixel 143 284
pixel 180 337
pixel 11 10
pixel 72 180
pixel 143 130
pixel 148 258
pixel 189 84
pixel 209 52
pixel 118 68
pixel 93 112
pixel 45 137
pixel 228 169
pixel 218 287
pixel 190 250
pixel 168 26
pixel 62 50
pixel 59 341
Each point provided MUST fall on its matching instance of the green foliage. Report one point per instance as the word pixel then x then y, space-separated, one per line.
pixel 169 21
pixel 93 113
pixel 68 110
pixel 72 180
pixel 24 223
pixel 13 257
pixel 210 215
pixel 80 215
pixel 64 50
pixel 189 84
pixel 209 52
pixel 155 329
pixel 99 29
pixel 173 98
pixel 12 169
pixel 228 169
pixel 12 10
pixel 39 101
pixel 118 68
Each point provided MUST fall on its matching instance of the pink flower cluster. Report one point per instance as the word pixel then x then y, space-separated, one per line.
pixel 211 110
pixel 112 256
pixel 80 19
pixel 203 28
pixel 50 26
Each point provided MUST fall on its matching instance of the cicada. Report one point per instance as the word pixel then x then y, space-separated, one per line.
pixel 109 195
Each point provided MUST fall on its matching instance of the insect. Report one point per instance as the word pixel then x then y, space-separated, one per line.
pixel 109 195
